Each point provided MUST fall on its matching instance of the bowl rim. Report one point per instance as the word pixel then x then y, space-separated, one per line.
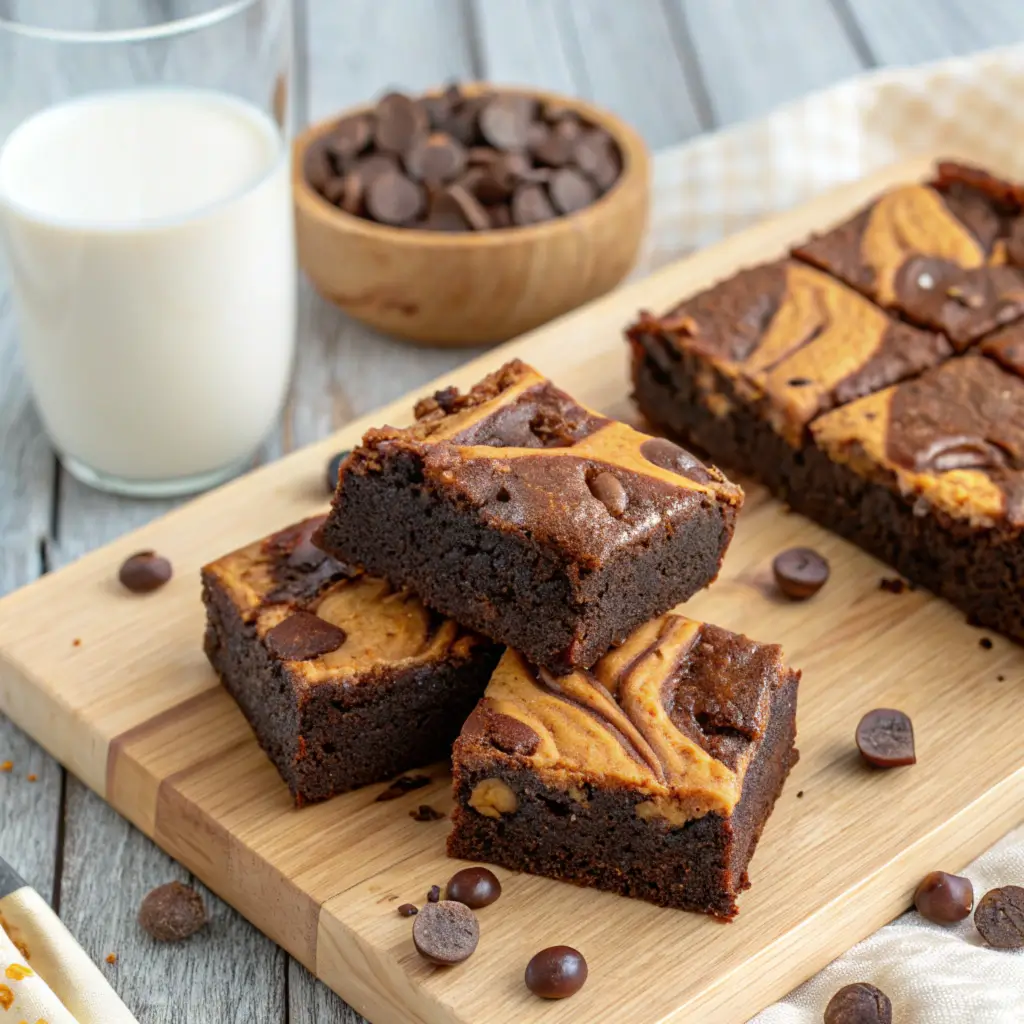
pixel 635 155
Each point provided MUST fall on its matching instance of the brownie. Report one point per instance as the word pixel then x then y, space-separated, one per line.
pixel 344 680
pixel 946 254
pixel 531 519
pixel 652 775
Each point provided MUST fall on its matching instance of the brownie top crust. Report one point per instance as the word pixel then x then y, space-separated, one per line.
pixel 954 439
pixel 947 254
pixel 797 337
pixel 328 621
pixel 528 459
pixel 675 713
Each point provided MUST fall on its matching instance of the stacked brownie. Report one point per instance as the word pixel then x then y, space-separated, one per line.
pixel 617 743
pixel 875 381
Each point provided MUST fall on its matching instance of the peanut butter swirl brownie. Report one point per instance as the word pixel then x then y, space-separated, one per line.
pixel 652 775
pixel 345 680
pixel 527 517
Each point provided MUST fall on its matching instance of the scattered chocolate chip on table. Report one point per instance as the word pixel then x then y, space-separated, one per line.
pixel 476 887
pixel 859 1003
pixel 426 813
pixel 885 739
pixel 556 972
pixel 463 161
pixel 943 898
pixel 408 910
pixel 800 572
pixel 434 894
pixel 144 572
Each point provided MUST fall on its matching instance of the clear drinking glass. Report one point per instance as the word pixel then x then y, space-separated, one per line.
pixel 145 207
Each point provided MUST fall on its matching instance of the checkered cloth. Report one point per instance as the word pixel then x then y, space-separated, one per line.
pixel 719 184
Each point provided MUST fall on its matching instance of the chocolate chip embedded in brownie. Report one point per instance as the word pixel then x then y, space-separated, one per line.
pixel 344 680
pixel 532 519
pixel 930 476
pixel 785 340
pixel 945 254
pixel 651 775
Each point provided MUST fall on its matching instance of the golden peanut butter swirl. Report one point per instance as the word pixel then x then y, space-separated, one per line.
pixel 286 581
pixel 675 713
pixel 953 439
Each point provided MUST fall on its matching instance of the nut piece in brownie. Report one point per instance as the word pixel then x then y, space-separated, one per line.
pixel 344 680
pixel 946 254
pixel 781 343
pixel 930 476
pixel 652 775
pixel 534 520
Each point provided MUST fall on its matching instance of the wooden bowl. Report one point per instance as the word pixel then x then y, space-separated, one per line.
pixel 471 288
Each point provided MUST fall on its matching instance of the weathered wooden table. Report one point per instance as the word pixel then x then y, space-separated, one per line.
pixel 674 68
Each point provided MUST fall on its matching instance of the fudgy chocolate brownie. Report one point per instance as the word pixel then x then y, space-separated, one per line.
pixel 946 254
pixel 652 775
pixel 534 520
pixel 344 680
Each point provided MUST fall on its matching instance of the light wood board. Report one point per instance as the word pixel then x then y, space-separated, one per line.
pixel 135 712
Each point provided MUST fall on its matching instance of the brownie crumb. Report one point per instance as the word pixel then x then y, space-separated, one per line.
pixel 408 910
pixel 799 794
pixel 401 786
pixel 1000 679
pixel 892 585
pixel 986 642
pixel 425 813
pixel 172 912
pixel 77 642
pixel 7 766
pixel 434 894
pixel 111 958
pixel 32 777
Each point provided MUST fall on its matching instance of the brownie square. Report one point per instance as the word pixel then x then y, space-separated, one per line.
pixel 531 519
pixel 344 680
pixel 651 776
pixel 946 254
pixel 929 475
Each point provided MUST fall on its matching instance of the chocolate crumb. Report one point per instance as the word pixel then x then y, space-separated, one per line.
pixel 32 777
pixel 799 794
pixel 7 766
pixel 172 912
pixel 434 894
pixel 76 642
pixel 986 642
pixel 892 585
pixel 402 785
pixel 408 910
pixel 425 813
pixel 1000 679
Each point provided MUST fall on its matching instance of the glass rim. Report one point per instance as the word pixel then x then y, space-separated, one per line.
pixel 148 33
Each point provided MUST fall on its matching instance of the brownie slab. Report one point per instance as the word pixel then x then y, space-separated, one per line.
pixel 344 680
pixel 531 519
pixel 652 775
pixel 946 254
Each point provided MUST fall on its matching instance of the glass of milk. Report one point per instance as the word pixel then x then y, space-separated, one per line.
pixel 146 220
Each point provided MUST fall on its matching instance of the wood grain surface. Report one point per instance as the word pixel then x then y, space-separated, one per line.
pixel 136 713
pixel 719 62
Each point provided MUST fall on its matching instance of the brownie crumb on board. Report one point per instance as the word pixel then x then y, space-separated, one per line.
pixel 986 643
pixel 32 777
pixel 402 785
pixel 893 585
pixel 426 813
pixel 434 894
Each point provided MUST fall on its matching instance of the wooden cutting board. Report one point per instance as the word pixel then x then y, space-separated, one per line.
pixel 116 687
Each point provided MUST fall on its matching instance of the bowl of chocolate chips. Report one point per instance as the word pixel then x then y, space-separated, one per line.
pixel 470 214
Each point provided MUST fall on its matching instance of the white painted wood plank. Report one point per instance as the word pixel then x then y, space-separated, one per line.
pixel 631 60
pixel 531 42
pixel 752 59
pixel 229 972
pixel 907 32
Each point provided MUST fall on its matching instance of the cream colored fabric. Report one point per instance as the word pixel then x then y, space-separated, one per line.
pixel 720 183
pixel 56 983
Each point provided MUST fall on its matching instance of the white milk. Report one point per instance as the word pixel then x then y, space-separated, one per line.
pixel 152 256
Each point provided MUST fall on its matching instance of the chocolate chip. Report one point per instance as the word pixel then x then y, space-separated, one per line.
pixel 1000 917
pixel 608 490
pixel 394 199
pixel 303 636
pixel 596 157
pixel 172 912
pixel 505 121
pixel 556 972
pixel 370 168
pixel 530 205
pixel 944 898
pixel 476 887
pixel 334 469
pixel 444 214
pixel 553 148
pixel 434 894
pixel 425 813
pixel 353 187
pixel 665 454
pixel 892 584
pixel 475 214
pixel 401 121
pixel 800 572
pixel 986 643
pixel 317 165
pixel 859 1003
pixel 349 138
pixel 501 217
pixel 885 738
pixel 402 785
pixel 436 159
pixel 144 572
pixel 570 190
pixel 408 910
pixel 445 933
pixel 510 735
